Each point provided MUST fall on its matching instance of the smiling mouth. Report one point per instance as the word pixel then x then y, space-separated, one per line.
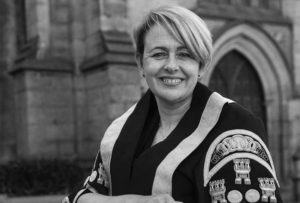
pixel 171 81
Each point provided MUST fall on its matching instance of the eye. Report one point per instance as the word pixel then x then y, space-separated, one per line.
pixel 159 55
pixel 185 54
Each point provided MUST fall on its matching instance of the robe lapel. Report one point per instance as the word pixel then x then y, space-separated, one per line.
pixel 131 169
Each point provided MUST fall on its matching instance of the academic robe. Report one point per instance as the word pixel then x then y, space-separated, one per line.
pixel 216 153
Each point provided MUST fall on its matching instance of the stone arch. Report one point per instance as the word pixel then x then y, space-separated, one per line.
pixel 262 51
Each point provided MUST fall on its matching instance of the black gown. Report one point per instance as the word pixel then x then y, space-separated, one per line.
pixel 216 153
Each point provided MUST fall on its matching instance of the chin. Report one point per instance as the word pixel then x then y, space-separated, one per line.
pixel 172 99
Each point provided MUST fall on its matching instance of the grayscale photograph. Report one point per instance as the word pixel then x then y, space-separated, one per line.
pixel 149 101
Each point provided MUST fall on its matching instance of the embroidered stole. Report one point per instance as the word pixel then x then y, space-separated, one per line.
pixel 120 142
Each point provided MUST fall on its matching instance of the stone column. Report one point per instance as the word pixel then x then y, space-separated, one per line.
pixel 112 84
pixel 294 147
pixel 44 80
pixel 44 108
pixel 290 9
pixel 7 54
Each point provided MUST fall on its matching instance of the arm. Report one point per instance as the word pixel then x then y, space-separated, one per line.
pixel 94 197
pixel 96 189
pixel 96 182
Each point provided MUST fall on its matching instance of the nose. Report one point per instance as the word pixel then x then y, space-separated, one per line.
pixel 171 65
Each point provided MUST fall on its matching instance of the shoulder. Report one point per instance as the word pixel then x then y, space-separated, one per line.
pixel 236 112
pixel 235 116
pixel 238 158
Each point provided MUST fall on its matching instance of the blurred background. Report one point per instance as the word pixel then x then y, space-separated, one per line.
pixel 67 69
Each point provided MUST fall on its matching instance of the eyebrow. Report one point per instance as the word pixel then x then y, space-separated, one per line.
pixel 183 47
pixel 165 49
pixel 158 47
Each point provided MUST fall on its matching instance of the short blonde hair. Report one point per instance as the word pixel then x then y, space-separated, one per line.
pixel 184 25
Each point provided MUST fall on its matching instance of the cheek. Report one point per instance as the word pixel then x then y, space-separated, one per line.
pixel 150 67
pixel 193 71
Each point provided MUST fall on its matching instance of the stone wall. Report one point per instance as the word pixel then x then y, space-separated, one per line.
pixel 60 32
pixel 112 85
pixel 43 83
pixel 71 78
pixel 109 93
pixel 7 54
pixel 290 9
pixel 44 111
pixel 136 9
pixel 282 34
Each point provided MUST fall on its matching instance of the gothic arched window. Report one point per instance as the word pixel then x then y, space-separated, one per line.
pixel 235 77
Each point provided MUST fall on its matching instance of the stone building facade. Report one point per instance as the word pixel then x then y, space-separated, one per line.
pixel 67 69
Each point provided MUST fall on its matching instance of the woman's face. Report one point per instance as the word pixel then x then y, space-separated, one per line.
pixel 170 70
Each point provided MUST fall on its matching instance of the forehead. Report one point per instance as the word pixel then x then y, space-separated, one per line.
pixel 159 36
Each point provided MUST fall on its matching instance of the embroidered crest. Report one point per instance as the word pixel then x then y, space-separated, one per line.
pixel 242 170
pixel 238 143
pixel 235 196
pixel 217 191
pixel 252 195
pixel 103 178
pixel 268 188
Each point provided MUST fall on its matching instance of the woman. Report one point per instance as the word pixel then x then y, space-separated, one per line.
pixel 181 142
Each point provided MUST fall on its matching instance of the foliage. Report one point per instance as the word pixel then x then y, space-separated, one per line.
pixel 40 177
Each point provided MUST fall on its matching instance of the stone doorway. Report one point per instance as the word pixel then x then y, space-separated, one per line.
pixel 235 77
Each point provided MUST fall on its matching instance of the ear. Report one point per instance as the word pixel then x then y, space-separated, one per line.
pixel 139 60
pixel 202 72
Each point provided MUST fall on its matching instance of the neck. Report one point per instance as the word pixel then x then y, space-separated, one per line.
pixel 170 114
